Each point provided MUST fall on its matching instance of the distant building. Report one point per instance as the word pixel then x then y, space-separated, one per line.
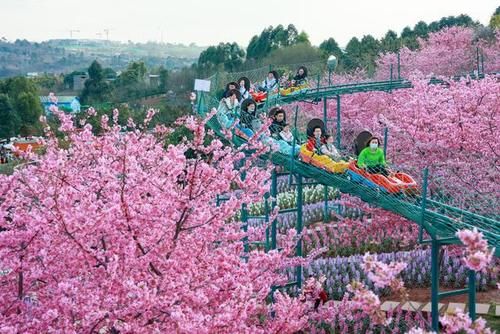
pixel 154 80
pixel 79 81
pixel 32 74
pixel 66 103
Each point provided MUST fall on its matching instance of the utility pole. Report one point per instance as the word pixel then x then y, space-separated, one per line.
pixel 106 31
pixel 71 31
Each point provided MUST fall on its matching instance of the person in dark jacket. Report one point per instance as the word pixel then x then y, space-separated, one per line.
pixel 301 77
pixel 229 87
pixel 279 120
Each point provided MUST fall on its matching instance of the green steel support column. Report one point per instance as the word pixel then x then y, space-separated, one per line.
pixel 435 284
pixel 338 122
pixel 298 250
pixel 319 78
pixel 266 220
pixel 274 195
pixel 391 72
pixel 325 187
pixel 385 142
pixel 216 81
pixel 472 294
pixel 244 220
pixel 399 66
pixel 200 98
pixel 325 116
pixel 294 143
pixel 424 203
pixel 326 212
pixel 482 63
pixel 329 77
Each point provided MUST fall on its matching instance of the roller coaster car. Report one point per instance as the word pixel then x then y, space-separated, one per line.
pixel 259 97
pixel 293 89
pixel 396 182
pixel 320 160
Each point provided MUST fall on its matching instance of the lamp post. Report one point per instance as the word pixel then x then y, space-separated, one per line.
pixel 332 64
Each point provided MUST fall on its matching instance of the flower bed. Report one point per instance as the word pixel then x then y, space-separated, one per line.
pixel 340 271
pixel 381 233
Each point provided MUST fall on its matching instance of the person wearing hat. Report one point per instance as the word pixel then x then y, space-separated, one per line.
pixel 249 122
pixel 278 116
pixel 279 120
pixel 312 152
pixel 372 158
pixel 315 140
pixel 270 83
pixel 301 77
pixel 229 87
pixel 228 108
pixel 244 84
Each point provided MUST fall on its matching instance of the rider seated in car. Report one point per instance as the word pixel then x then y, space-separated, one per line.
pixel 372 158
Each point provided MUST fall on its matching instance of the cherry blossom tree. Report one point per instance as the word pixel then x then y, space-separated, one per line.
pixel 448 52
pixel 119 234
pixel 450 128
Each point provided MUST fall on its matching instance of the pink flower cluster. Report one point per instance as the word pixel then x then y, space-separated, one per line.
pixel 477 255
pixel 367 302
pixel 461 323
pixel 448 52
pixel 117 232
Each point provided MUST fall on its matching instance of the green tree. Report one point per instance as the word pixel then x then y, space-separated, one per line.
pixel 23 95
pixel 353 54
pixel 228 55
pixel 330 47
pixel 495 19
pixel 303 38
pixel 8 118
pixel 274 38
pixel 96 89
pixel 294 54
pixel 163 73
pixel 260 46
pixel 390 42
pixel 409 38
pixel 421 29
pixel 134 74
pixel 370 48
pixel 29 110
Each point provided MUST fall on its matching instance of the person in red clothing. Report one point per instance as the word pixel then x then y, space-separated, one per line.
pixel 316 139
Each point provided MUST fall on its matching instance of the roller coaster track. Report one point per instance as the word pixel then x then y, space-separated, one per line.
pixel 438 219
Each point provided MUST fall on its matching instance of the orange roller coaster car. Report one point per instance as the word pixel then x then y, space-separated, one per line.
pixel 396 182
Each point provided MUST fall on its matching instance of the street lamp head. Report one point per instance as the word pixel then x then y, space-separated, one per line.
pixel 332 63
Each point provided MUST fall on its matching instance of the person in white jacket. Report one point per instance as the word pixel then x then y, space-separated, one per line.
pixel 244 83
pixel 270 83
pixel 286 134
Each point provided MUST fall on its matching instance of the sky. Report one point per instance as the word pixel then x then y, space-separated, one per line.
pixel 213 21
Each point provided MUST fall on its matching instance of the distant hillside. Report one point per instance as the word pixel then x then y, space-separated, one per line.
pixel 67 55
